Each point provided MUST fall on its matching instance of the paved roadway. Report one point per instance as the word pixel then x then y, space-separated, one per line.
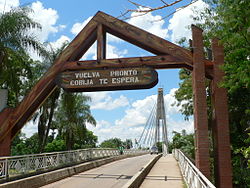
pixel 114 174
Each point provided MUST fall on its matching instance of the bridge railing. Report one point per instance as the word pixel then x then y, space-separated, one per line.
pixel 26 164
pixel 191 174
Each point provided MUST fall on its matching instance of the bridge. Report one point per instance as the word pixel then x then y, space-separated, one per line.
pixel 167 55
pixel 105 167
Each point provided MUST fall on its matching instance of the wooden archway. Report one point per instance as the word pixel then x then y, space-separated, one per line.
pixel 167 55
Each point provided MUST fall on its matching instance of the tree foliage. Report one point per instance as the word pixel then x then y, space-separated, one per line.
pixel 229 20
pixel 184 142
pixel 71 117
pixel 116 143
pixel 184 95
pixel 112 143
pixel 22 145
pixel 15 42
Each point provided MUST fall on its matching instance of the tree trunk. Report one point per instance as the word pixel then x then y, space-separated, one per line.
pixel 1 58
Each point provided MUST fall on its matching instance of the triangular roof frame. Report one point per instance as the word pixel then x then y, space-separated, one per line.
pixel 94 30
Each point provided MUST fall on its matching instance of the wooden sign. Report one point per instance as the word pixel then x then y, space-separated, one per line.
pixel 108 79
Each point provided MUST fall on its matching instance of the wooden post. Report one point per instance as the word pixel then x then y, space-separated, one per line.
pixel 101 43
pixel 5 144
pixel 200 104
pixel 223 168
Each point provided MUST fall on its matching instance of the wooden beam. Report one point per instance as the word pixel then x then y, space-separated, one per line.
pixel 156 62
pixel 141 38
pixel 5 146
pixel 200 104
pixel 221 131
pixel 101 43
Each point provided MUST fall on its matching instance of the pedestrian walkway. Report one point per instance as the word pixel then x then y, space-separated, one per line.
pixel 165 173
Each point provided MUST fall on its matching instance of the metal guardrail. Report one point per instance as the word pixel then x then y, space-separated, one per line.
pixel 192 175
pixel 25 164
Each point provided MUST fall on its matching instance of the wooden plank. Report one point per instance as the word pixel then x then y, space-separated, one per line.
pixel 141 38
pixel 101 43
pixel 156 62
pixel 46 84
pixel 108 79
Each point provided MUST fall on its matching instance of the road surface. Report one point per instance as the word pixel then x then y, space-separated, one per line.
pixel 114 174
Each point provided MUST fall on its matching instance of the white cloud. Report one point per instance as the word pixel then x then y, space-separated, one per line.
pixel 150 23
pixel 47 18
pixel 138 113
pixel 103 100
pixel 59 42
pixel 170 100
pixel 105 130
pixel 54 45
pixel 142 108
pixel 182 19
pixel 77 27
pixel 112 38
pixel 6 5
pixel 179 125
pixel 112 52
pixel 30 128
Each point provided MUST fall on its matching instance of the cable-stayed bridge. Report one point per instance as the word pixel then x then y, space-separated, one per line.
pixel 155 129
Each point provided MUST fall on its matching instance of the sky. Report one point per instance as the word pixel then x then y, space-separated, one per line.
pixel 121 114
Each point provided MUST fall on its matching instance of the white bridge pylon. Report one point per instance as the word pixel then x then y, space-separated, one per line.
pixel 155 130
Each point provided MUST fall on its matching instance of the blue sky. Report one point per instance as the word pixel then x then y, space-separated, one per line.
pixel 118 113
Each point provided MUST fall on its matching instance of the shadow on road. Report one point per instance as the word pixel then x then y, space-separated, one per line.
pixel 111 176
pixel 165 178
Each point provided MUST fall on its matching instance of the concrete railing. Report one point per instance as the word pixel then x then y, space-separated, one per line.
pixel 191 174
pixel 27 164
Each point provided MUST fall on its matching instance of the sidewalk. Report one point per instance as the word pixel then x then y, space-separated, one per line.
pixel 165 173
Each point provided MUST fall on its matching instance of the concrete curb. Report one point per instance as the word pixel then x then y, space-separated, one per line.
pixel 50 177
pixel 138 178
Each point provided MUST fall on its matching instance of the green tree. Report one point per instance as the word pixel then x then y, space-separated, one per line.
pixel 184 142
pixel 56 145
pixel 112 143
pixel 128 143
pixel 159 146
pixel 18 146
pixel 87 139
pixel 47 110
pixel 22 145
pixel 15 40
pixel 184 94
pixel 71 117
